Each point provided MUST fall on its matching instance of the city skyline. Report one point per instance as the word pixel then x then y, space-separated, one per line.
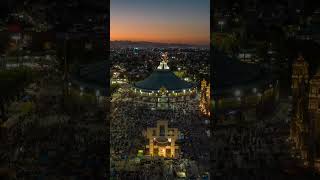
pixel 182 22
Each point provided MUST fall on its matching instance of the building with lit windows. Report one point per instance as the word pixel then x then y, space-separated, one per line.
pixel 163 89
pixel 162 140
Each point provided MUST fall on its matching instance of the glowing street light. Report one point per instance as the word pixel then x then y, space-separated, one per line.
pixel 97 93
pixel 81 91
pixel 254 90
pixel 221 23
pixel 237 93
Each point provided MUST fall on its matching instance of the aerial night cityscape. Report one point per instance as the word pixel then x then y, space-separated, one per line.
pixel 160 89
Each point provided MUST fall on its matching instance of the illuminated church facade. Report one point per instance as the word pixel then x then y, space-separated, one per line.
pixel 305 122
pixel 205 98
pixel 162 140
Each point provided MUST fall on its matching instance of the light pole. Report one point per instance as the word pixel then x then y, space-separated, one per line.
pixel 221 23
pixel 237 94
pixel 65 69
pixel 66 38
pixel 98 96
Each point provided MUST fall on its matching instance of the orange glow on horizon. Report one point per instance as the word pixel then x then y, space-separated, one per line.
pixel 188 33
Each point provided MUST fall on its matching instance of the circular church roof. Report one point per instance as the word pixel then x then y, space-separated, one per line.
pixel 163 78
pixel 92 76
pixel 230 73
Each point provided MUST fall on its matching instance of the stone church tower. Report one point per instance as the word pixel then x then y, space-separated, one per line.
pixel 305 122
pixel 300 83
pixel 314 117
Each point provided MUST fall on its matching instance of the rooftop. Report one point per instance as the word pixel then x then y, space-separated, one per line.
pixel 163 77
pixel 92 76
pixel 230 73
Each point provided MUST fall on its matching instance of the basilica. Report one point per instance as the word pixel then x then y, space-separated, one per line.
pixel 163 89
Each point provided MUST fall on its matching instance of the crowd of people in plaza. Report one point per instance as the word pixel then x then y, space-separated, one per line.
pixel 130 119
pixel 259 150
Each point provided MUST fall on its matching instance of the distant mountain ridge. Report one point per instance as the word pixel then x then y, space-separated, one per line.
pixel 146 44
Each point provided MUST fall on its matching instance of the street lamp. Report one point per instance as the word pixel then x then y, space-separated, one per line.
pixel 254 90
pixel 98 96
pixel 221 23
pixel 81 91
pixel 16 37
pixel 237 93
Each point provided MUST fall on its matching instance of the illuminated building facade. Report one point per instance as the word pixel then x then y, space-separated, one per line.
pixel 163 89
pixel 162 140
pixel 305 123
pixel 205 98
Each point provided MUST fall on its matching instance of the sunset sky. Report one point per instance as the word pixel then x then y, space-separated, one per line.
pixel 170 21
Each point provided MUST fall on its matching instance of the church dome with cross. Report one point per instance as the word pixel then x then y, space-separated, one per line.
pixel 163 88
pixel 163 79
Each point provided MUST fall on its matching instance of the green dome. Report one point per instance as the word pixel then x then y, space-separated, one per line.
pixel 163 78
